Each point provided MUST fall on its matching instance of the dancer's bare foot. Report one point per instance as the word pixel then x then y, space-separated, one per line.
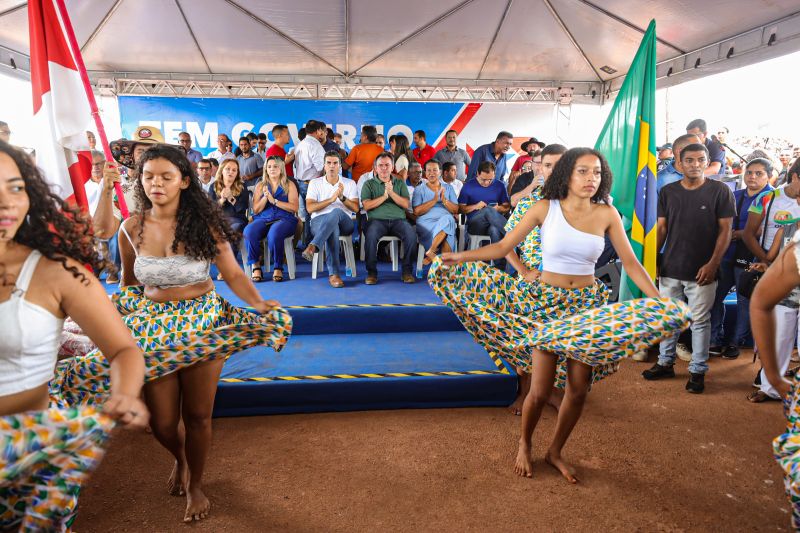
pixel 516 407
pixel 197 506
pixel 555 398
pixel 523 466
pixel 554 459
pixel 176 486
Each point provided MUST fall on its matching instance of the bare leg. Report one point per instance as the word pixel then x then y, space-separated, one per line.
pixel 434 249
pixel 579 376
pixel 523 386
pixel 199 387
pixel 162 397
pixel 544 375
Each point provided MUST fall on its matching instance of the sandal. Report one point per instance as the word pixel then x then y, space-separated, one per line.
pixel 277 275
pixel 758 396
pixel 255 275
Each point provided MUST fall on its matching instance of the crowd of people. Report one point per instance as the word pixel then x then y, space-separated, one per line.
pixel 166 333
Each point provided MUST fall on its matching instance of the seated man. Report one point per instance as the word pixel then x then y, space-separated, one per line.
pixel 385 199
pixel 485 202
pixel 331 200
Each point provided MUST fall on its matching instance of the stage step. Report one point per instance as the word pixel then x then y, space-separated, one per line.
pixel 362 357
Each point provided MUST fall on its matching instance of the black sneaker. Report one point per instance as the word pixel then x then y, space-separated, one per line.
pixel 730 352
pixel 658 372
pixel 716 351
pixel 696 383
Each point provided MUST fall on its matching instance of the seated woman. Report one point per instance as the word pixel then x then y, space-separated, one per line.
pixel 46 451
pixel 169 304
pixel 435 205
pixel 229 192
pixel 275 206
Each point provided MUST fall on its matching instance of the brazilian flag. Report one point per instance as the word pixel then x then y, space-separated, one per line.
pixel 629 143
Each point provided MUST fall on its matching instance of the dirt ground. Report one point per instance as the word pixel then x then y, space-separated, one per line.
pixel 650 457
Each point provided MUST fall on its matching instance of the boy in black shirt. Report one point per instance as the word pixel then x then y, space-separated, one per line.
pixel 695 216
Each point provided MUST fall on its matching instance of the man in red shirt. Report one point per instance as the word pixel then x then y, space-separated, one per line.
pixel 281 135
pixel 423 151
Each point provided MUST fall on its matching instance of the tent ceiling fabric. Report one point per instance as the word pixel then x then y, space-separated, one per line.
pixel 466 42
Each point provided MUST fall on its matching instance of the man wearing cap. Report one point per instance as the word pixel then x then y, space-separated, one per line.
pixel 665 156
pixel 108 216
pixel 453 154
pixel 528 147
pixel 185 140
pixel 223 151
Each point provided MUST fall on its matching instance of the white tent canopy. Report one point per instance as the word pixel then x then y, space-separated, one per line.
pixel 496 50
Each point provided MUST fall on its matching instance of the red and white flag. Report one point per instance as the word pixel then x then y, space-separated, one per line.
pixel 61 110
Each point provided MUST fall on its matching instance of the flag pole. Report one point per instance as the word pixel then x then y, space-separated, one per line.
pixel 87 86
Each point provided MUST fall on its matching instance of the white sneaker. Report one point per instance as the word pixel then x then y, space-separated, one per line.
pixel 683 353
pixel 640 356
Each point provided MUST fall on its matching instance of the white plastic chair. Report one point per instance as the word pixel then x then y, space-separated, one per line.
pixel 394 249
pixel 318 261
pixel 288 246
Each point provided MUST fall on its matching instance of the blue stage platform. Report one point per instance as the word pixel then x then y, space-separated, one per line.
pixel 388 346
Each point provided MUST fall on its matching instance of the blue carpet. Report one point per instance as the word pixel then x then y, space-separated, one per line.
pixel 387 346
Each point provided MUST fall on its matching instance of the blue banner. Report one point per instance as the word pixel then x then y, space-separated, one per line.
pixel 205 118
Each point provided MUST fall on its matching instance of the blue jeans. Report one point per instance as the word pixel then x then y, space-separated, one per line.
pixel 376 229
pixel 489 221
pixel 700 299
pixel 303 213
pixel 729 278
pixel 276 232
pixel 326 230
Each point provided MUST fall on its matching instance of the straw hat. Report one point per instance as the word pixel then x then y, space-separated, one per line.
pixel 122 149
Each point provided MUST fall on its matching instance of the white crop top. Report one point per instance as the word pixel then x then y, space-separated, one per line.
pixel 29 337
pixel 566 250
pixel 168 272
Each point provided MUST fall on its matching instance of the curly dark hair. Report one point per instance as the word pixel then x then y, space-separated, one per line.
pixel 557 185
pixel 58 230
pixel 200 222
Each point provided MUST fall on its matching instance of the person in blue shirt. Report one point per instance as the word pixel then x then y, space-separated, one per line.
pixel 716 153
pixel 672 171
pixel 485 202
pixel 493 152
pixel 735 261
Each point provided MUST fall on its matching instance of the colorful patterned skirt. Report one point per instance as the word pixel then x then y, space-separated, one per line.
pixel 44 458
pixel 511 317
pixel 787 450
pixel 530 249
pixel 173 335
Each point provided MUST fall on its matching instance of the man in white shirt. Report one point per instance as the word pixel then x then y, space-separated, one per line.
pixel 222 153
pixel 331 200
pixel 204 174
pixel 450 175
pixel 309 161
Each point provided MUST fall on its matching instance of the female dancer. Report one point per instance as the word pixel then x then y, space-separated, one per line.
pixel 275 204
pixel 779 281
pixel 46 452
pixel 169 303
pixel 435 205
pixel 559 322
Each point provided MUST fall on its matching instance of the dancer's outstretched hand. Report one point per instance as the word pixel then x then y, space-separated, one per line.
pixel 265 306
pixel 129 411
pixel 451 258
pixel 783 387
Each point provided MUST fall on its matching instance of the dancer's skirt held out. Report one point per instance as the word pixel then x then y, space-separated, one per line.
pixel 173 335
pixel 511 317
pixel 45 456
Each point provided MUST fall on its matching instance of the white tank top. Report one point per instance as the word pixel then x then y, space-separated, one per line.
pixel 566 250
pixel 29 337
